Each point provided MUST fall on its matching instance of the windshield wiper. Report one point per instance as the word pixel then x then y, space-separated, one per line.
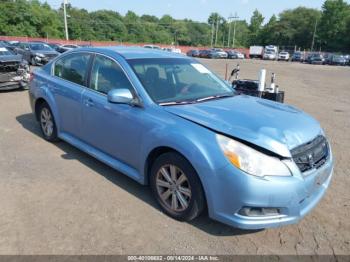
pixel 185 102
pixel 172 103
pixel 213 97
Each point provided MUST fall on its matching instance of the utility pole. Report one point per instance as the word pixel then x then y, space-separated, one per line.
pixel 234 29
pixel 217 29
pixel 65 2
pixel 313 37
pixel 229 31
pixel 212 33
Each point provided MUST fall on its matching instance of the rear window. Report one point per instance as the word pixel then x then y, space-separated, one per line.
pixel 73 68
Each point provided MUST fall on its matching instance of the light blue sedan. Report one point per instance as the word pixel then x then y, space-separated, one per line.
pixel 167 121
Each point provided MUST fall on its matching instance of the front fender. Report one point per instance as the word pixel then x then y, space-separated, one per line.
pixel 196 143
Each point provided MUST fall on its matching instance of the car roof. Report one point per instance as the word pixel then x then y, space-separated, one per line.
pixel 35 43
pixel 133 52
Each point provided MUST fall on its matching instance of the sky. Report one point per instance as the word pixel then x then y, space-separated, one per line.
pixel 197 10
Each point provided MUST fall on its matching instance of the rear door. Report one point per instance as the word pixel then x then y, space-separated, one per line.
pixel 69 82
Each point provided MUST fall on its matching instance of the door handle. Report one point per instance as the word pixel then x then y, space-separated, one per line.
pixel 89 102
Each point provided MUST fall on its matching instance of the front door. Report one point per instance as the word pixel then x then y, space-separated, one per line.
pixel 114 129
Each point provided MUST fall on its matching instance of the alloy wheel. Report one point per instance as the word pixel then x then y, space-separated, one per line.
pixel 173 188
pixel 46 122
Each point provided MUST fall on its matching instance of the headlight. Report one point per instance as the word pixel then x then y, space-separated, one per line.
pixel 250 160
pixel 39 55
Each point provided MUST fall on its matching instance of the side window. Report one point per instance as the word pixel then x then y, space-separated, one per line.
pixel 107 75
pixel 73 68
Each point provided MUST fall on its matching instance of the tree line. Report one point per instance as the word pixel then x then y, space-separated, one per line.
pixel 306 28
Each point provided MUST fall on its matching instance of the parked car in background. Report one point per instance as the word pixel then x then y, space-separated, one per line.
pixel 14 71
pixel 54 46
pixel 14 42
pixel 205 53
pixel 270 55
pixel 316 59
pixel 283 56
pixel 214 53
pixel 271 52
pixel 8 45
pixel 218 53
pixel 172 50
pixel 337 60
pixel 256 52
pixel 347 58
pixel 233 54
pixel 85 45
pixel 298 57
pixel 4 42
pixel 167 121
pixel 36 53
pixel 152 47
pixel 65 48
pixel 193 53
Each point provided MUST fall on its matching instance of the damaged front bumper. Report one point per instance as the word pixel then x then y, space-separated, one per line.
pixel 14 79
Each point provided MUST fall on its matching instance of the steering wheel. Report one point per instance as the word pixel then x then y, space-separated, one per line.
pixel 187 88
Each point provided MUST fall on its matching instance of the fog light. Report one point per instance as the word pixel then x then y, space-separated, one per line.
pixel 259 211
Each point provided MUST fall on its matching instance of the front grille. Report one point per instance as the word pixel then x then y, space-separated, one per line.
pixel 311 155
pixel 9 66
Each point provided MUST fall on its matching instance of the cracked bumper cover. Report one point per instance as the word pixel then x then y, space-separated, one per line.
pixel 14 79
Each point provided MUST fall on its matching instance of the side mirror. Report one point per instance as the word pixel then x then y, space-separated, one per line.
pixel 120 96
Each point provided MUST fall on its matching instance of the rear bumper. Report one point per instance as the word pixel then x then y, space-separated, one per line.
pixel 293 196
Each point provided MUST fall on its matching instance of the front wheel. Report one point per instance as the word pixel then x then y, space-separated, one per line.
pixel 176 187
pixel 33 62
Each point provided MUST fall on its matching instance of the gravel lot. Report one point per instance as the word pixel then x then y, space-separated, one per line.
pixel 57 200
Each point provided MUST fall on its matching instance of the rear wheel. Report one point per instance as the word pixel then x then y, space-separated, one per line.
pixel 47 123
pixel 176 187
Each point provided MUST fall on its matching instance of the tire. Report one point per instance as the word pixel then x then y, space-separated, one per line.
pixel 190 189
pixel 47 123
pixel 32 61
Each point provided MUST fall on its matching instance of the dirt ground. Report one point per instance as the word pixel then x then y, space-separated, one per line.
pixel 55 199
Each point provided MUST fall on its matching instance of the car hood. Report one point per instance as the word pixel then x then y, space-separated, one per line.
pixel 44 52
pixel 273 126
pixel 11 58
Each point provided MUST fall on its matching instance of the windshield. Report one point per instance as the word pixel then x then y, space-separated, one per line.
pixel 37 47
pixel 5 51
pixel 177 80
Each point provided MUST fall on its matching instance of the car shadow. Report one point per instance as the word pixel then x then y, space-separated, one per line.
pixel 14 90
pixel 203 222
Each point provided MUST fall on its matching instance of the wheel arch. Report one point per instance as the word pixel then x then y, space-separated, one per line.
pixel 160 150
pixel 40 101
pixel 46 97
pixel 153 155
